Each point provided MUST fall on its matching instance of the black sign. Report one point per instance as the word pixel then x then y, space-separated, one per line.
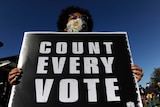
pixel 75 70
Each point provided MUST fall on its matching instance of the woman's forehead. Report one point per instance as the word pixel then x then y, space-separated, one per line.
pixel 76 13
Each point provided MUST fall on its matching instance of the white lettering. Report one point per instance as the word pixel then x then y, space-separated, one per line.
pixel 93 47
pixel 107 64
pixel 43 47
pixel 92 92
pixel 77 47
pixel 42 62
pixel 110 89
pixel 73 65
pixel 68 90
pixel 108 47
pixel 91 65
pixel 58 65
pixel 61 48
pixel 42 94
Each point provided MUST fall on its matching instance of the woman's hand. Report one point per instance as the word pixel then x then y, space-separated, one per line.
pixel 137 71
pixel 14 75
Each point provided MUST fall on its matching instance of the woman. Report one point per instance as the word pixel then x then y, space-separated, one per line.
pixel 71 19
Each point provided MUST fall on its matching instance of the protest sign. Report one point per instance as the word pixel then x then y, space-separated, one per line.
pixel 75 70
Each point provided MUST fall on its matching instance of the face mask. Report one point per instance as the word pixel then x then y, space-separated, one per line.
pixel 76 25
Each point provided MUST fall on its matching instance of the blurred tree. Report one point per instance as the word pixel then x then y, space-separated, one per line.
pixel 155 76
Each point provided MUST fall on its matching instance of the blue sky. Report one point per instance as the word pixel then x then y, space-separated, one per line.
pixel 139 18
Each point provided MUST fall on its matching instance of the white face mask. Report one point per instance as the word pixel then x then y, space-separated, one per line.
pixel 76 25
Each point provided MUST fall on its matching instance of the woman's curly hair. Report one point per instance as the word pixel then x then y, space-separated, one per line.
pixel 63 17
